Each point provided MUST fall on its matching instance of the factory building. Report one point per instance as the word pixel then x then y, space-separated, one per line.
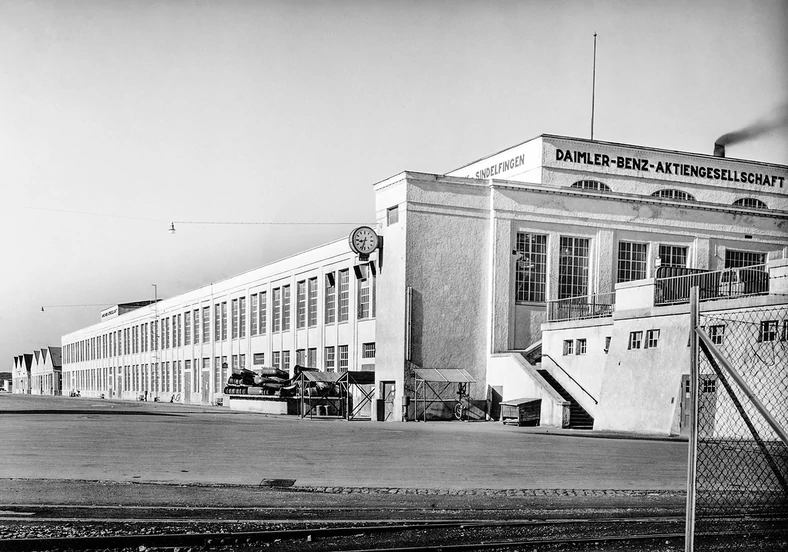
pixel 468 268
pixel 38 373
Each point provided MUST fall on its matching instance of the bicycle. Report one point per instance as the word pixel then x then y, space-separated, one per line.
pixel 463 401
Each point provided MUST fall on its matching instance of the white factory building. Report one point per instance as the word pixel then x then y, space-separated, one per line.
pixel 470 264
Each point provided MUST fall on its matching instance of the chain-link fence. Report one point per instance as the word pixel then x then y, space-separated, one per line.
pixel 741 474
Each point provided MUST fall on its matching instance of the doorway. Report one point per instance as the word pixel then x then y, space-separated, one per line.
pixel 389 391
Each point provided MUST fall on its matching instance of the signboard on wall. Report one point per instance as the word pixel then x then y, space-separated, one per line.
pixel 662 165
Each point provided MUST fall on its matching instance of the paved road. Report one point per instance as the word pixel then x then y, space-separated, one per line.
pixel 65 438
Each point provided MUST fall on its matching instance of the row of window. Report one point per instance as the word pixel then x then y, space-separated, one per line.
pixel 574 255
pixel 281 360
pixel 187 327
pixel 670 193
pixel 768 332
pixel 580 346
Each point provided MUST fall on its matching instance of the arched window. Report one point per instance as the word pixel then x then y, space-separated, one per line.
pixel 674 194
pixel 591 185
pixel 750 202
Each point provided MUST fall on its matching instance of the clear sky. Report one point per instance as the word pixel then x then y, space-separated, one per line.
pixel 117 117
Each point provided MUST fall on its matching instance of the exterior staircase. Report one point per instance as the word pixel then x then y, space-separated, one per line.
pixel 578 417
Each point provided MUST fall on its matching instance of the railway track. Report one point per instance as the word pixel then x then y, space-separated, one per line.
pixel 555 533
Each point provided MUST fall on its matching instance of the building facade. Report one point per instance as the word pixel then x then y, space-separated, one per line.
pixel 470 263
pixel 314 309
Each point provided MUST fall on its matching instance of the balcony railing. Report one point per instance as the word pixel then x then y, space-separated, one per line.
pixel 580 308
pixel 672 285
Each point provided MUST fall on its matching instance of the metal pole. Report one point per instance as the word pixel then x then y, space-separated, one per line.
pixel 593 89
pixel 692 455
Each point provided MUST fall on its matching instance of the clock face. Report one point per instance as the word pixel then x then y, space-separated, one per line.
pixel 363 240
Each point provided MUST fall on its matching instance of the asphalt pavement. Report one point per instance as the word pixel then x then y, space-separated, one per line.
pixel 85 439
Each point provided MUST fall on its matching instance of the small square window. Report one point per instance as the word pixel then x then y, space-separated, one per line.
pixel 709 385
pixel 635 340
pixel 392 215
pixel 368 350
pixel 568 346
pixel 716 333
pixel 768 330
pixel 580 348
pixel 652 338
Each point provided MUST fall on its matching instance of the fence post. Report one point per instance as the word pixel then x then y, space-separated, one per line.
pixel 692 454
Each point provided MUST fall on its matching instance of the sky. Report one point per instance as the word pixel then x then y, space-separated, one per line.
pixel 119 117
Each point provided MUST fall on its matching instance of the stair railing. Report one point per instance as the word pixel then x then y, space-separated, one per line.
pixel 570 377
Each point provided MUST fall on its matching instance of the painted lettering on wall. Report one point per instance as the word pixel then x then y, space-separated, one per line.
pixel 109 312
pixel 644 165
pixel 503 166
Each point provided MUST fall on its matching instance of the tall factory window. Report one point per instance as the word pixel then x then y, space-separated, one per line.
pixel 276 359
pixel 312 321
pixel 253 314
pixel 286 361
pixel 217 322
pixel 530 267
pixel 364 297
pixel 631 261
pixel 206 324
pixel 343 358
pixel 738 259
pixel 285 308
pixel 234 317
pixel 217 374
pixel 344 295
pixel 671 193
pixel 751 203
pixel 573 267
pixel 311 357
pixel 187 328
pixel 329 360
pixel 300 305
pixel 591 185
pixel 196 325
pixel 242 316
pixel 224 320
pixel 672 255
pixel 301 357
pixel 263 312
pixel 331 299
pixel 277 309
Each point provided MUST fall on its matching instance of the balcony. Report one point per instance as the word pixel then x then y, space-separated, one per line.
pixel 581 308
pixel 672 284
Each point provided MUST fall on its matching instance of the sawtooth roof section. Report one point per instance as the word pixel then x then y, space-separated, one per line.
pixel 28 360
pixel 446 375
pixel 55 353
pixel 44 354
pixel 37 353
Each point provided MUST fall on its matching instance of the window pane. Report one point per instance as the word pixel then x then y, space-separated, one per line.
pixel 573 267
pixel 632 259
pixel 530 267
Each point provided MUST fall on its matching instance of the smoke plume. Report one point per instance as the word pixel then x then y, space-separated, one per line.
pixel 779 119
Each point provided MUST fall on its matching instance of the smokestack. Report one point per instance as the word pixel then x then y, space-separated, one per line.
pixel 719 149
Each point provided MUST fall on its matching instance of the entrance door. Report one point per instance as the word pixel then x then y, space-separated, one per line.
pixel 389 390
pixel 206 386
pixel 187 387
pixel 707 405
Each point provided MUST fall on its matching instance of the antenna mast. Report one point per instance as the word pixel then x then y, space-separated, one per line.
pixel 593 89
